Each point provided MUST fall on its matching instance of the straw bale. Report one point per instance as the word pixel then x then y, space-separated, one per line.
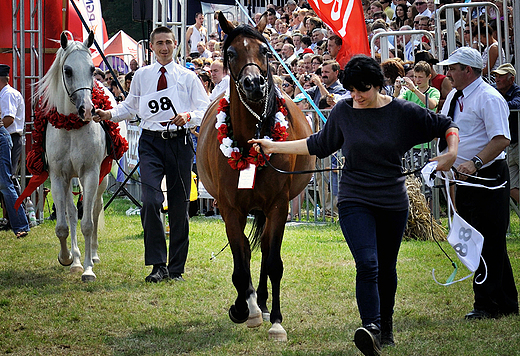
pixel 420 223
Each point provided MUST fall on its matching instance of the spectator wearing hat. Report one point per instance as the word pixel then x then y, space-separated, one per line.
pixel 482 114
pixel 505 84
pixel 12 108
pixel 438 81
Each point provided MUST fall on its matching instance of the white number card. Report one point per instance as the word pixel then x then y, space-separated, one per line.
pixel 157 106
pixel 246 178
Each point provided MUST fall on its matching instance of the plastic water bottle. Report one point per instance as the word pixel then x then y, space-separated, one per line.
pixel 31 213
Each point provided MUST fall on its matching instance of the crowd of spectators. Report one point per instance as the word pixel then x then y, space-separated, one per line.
pixel 308 49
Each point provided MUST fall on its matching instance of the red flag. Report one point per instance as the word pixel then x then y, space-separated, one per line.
pixel 347 19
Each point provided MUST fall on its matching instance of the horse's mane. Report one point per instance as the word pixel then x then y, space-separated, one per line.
pixel 51 88
pixel 251 32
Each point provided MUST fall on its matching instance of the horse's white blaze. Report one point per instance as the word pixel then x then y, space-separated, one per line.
pixel 277 332
pixel 255 314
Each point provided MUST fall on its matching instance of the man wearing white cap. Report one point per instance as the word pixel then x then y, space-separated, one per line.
pixel 482 116
pixel 505 84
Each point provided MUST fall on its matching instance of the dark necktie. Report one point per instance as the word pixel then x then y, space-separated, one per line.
pixel 161 84
pixel 442 143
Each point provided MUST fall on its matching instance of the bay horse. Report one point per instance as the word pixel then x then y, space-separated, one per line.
pixel 255 108
pixel 66 92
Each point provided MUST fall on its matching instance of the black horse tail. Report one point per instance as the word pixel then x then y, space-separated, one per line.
pixel 257 229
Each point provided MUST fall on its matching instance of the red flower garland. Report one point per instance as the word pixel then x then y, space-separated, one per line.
pixel 239 160
pixel 70 122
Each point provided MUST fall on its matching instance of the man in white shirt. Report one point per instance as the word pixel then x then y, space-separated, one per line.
pixel 203 52
pixel 170 99
pixel 195 34
pixel 482 114
pixel 297 41
pixel 12 107
pixel 288 54
pixel 220 79
pixel 422 8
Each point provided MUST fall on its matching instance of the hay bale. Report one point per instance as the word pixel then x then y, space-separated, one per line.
pixel 419 226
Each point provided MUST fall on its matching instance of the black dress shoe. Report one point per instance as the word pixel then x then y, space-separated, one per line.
pixel 177 277
pixel 477 314
pixel 368 340
pixel 159 273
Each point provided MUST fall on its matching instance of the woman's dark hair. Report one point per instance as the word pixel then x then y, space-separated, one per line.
pixel 401 22
pixel 288 79
pixel 363 73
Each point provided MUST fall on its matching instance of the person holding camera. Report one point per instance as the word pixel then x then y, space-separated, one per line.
pixel 327 84
pixel 418 91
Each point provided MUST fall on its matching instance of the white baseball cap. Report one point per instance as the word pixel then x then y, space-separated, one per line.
pixel 464 55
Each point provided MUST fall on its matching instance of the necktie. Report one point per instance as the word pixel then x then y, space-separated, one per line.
pixel 453 102
pixel 161 84
pixel 442 143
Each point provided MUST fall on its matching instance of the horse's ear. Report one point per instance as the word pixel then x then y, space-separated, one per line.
pixel 226 26
pixel 64 41
pixel 90 39
pixel 262 23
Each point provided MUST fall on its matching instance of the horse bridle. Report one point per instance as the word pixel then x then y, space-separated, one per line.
pixel 65 85
pixel 240 89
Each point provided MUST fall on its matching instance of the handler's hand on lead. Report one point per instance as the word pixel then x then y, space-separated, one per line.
pixel 181 119
pixel 101 115
pixel 445 161
pixel 267 145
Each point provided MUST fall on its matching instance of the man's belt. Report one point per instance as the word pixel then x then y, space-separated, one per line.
pixel 165 135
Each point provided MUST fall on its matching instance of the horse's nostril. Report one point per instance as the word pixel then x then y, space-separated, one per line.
pixel 262 81
pixel 81 111
pixel 247 83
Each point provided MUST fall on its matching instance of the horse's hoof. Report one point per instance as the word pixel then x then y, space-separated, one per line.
pixel 237 317
pixel 266 316
pixel 65 264
pixel 88 277
pixel 76 269
pixel 254 321
pixel 277 333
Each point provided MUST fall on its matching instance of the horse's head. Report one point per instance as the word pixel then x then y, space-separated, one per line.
pixel 246 57
pixel 77 72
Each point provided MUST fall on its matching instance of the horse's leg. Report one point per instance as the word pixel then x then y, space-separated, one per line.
pixel 273 265
pixel 239 244
pixel 90 185
pixel 59 189
pixel 262 291
pixel 98 207
pixel 72 216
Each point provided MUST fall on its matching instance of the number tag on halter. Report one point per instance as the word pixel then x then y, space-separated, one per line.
pixel 246 178
pixel 157 106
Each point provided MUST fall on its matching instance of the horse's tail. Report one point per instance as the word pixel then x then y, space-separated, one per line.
pixel 257 229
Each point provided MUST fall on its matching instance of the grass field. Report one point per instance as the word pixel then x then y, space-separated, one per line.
pixel 44 310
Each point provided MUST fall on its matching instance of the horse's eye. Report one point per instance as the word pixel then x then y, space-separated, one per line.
pixel 231 53
pixel 68 71
pixel 264 51
pixel 92 70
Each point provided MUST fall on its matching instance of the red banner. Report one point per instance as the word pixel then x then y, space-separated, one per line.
pixel 347 19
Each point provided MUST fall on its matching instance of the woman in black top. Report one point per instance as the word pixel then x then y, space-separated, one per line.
pixel 373 131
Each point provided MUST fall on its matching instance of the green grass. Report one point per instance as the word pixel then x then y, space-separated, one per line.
pixel 44 310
